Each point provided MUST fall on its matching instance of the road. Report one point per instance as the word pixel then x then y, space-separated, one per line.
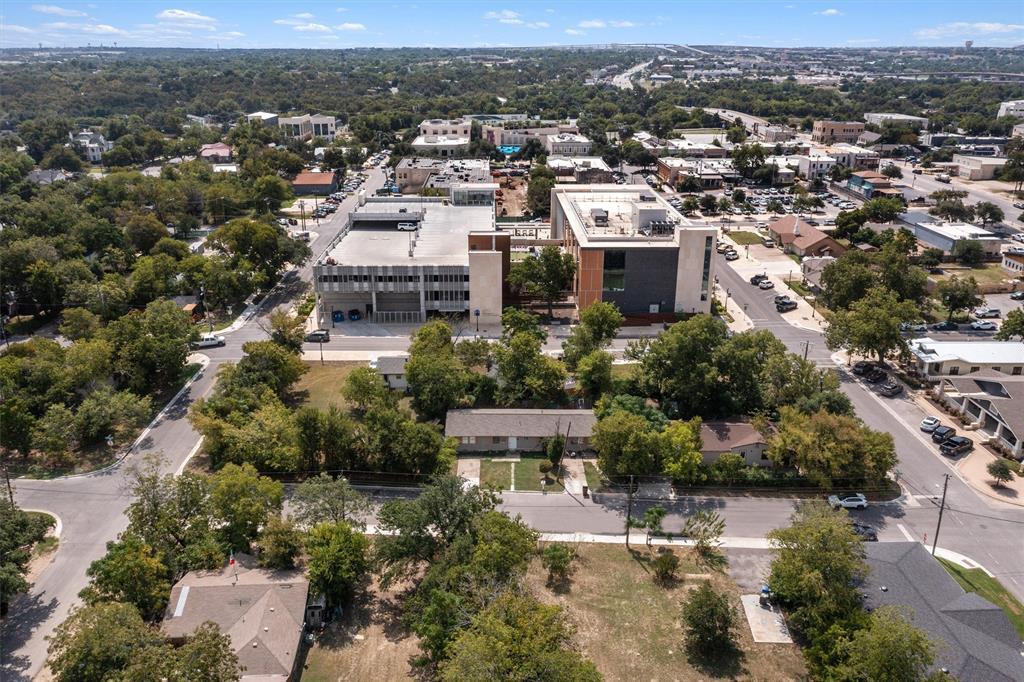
pixel 91 507
pixel 624 79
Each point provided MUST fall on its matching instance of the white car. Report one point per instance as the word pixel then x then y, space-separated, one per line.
pixel 766 284
pixel 1019 237
pixel 929 424
pixel 209 341
pixel 983 326
pixel 857 501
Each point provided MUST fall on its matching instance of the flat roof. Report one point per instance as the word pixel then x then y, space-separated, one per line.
pixel 441 240
pixel 981 352
pixel 428 140
pixel 578 162
pixel 958 230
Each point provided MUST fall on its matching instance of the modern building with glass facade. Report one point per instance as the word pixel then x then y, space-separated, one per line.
pixel 634 250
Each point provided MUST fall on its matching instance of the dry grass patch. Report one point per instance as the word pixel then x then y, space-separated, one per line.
pixel 629 625
pixel 320 387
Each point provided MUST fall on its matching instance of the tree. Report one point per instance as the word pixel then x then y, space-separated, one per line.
pixel 1012 326
pixel 516 638
pixel 705 528
pixel 888 649
pixel 79 324
pixel 279 543
pixel 538 192
pixel 599 322
pixel 143 231
pixel 20 532
pixel 709 622
pixel 367 389
pixel 150 346
pixel 287 330
pixel 337 560
pixel 682 447
pixel 557 559
pixel 270 192
pixel 819 561
pixel 952 209
pixel 243 501
pixel 130 572
pixel 515 321
pixel 97 642
pixel 969 252
pixel 929 258
pixel 892 171
pixel 708 204
pixel 594 372
pixel 988 213
pixel 958 294
pixel 437 379
pixel 651 522
pixel 729 466
pixel 546 275
pixel 626 444
pixel 62 157
pixel 747 158
pixel 325 499
pixel 525 374
pixel 206 655
pixel 847 280
pixel 665 566
pixel 871 324
pixel 1000 470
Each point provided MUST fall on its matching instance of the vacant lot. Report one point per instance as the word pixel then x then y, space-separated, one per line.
pixel 988 273
pixel 320 387
pixel 629 625
pixel 745 238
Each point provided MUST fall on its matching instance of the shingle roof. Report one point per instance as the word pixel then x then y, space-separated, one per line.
pixel 310 178
pixel 261 611
pixel 974 639
pixel 722 436
pixel 1008 402
pixel 519 423
pixel 392 364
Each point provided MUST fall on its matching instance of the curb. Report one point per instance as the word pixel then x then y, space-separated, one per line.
pixel 58 527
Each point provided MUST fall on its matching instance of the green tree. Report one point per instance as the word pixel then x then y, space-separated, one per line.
pixel 709 622
pixel 437 379
pixel 20 532
pixel 708 204
pixel 325 499
pixel 143 231
pixel 557 558
pixel 626 444
pixel 62 157
pixel 367 389
pixel 892 171
pixel 599 322
pixel 888 649
pixel 243 501
pixel 287 330
pixel 96 642
pixel 871 325
pixel 545 276
pixel 150 346
pixel 270 192
pixel 279 543
pixel 525 374
pixel 1012 326
pixel 705 528
pixel 79 323
pixel 819 561
pixel 988 213
pixel 665 566
pixel 516 638
pixel 1000 470
pixel 538 192
pixel 337 560
pixel 206 655
pixel 682 447
pixel 515 321
pixel 594 372
pixel 958 294
pixel 651 522
pixel 729 467
pixel 53 434
pixel 130 572
pixel 969 252
pixel 847 280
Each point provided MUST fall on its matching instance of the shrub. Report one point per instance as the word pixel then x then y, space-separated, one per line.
pixel 557 558
pixel 665 566
pixel 709 621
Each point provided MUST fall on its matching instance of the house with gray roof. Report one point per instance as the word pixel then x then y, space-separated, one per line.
pixel 391 368
pixel 994 402
pixel 736 437
pixel 518 430
pixel 263 612
pixel 974 640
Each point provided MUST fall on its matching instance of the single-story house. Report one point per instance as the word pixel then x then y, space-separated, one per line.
pixel 218 152
pixel 974 639
pixel 392 369
pixel 263 612
pixel 1013 263
pixel 522 430
pixel 936 359
pixel 310 182
pixel 811 269
pixel 737 437
pixel 49 176
pixel 993 401
pixel 796 236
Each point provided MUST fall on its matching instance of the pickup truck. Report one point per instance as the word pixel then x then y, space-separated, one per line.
pixel 942 178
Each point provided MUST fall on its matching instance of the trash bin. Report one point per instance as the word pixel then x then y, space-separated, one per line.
pixel 586 491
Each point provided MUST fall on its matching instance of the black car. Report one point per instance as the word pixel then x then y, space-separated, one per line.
pixel 876 375
pixel 946 326
pixel 862 367
pixel 943 433
pixel 957 445
pixel 318 336
pixel 781 298
pixel 891 388
pixel 1017 296
pixel 785 306
pixel 757 279
pixel 865 532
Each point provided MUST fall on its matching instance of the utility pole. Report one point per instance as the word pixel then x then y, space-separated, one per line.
pixel 942 507
pixel 7 479
pixel 629 509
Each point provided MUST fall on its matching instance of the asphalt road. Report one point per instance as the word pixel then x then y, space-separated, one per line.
pixel 975 193
pixel 91 507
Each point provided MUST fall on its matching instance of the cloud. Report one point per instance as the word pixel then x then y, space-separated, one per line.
pixel 312 28
pixel 621 24
pixel 605 23
pixel 304 15
pixel 341 9
pixel 575 32
pixel 15 28
pixel 830 13
pixel 538 24
pixel 961 28
pixel 350 26
pixel 592 23
pixel 57 11
pixel 231 35
pixel 505 16
pixel 185 17
pixel 94 29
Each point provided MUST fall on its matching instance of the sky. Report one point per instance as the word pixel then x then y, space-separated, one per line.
pixel 476 23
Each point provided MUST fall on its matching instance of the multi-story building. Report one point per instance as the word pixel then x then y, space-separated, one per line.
pixel 584 170
pixel 92 145
pixel 262 117
pixel 936 359
pixel 633 249
pixel 851 156
pixel 456 127
pixel 829 132
pixel 568 144
pixel 710 172
pixel 871 185
pixel 444 137
pixel 977 167
pixel 1014 107
pixel 880 119
pixel 814 166
pixel 302 127
pixel 415 173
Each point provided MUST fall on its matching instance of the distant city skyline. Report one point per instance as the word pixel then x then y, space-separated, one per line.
pixel 464 23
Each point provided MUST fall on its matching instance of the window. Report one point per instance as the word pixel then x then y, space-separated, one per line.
pixel 495 440
pixel 705 280
pixel 974 369
pixel 1016 371
pixel 955 369
pixel 614 271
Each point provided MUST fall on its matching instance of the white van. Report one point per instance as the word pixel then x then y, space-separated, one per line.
pixel 409 227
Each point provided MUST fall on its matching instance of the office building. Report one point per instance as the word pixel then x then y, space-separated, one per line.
pixel 567 144
pixel 880 119
pixel 456 127
pixel 1013 107
pixel 584 170
pixel 829 132
pixel 977 167
pixel 413 174
pixel 937 359
pixel 634 250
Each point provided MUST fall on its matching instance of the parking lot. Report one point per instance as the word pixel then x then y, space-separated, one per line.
pixel 964 332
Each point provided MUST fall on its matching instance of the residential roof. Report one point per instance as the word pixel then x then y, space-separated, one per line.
pixel 215 149
pixel 313 178
pixel 719 436
pixel 793 230
pixel 261 611
pixel 521 423
pixel 978 352
pixel 974 639
pixel 1004 392
pixel 391 364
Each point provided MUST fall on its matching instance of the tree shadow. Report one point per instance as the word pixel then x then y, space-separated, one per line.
pixel 726 662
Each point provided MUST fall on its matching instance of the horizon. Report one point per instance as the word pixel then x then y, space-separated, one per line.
pixel 321 25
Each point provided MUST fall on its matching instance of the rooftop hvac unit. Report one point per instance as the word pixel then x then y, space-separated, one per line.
pixel 599 216
pixel 648 197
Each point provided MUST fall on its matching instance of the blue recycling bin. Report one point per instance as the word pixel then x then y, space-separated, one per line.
pixel 338 315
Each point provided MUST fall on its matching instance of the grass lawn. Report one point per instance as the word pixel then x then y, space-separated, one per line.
pixel 320 387
pixel 496 473
pixel 527 475
pixel 799 287
pixel 624 370
pixel 745 238
pixel 987 273
pixel 976 580
pixel 595 479
pixel 629 625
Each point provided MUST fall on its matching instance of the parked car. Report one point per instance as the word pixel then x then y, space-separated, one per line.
pixel 986 312
pixel 731 255
pixel 918 326
pixel 957 445
pixel 891 388
pixel 354 315
pixel 946 326
pixel 769 243
pixel 209 341
pixel 984 326
pixel 942 433
pixel 723 247
pixel 865 532
pixel 781 298
pixel 757 279
pixel 856 501
pixel 785 306
pixel 862 367
pixel 1017 296
pixel 318 336
pixel 766 284
pixel 929 424
pixel 876 376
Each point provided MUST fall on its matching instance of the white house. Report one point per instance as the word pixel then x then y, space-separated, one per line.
pixel 937 359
